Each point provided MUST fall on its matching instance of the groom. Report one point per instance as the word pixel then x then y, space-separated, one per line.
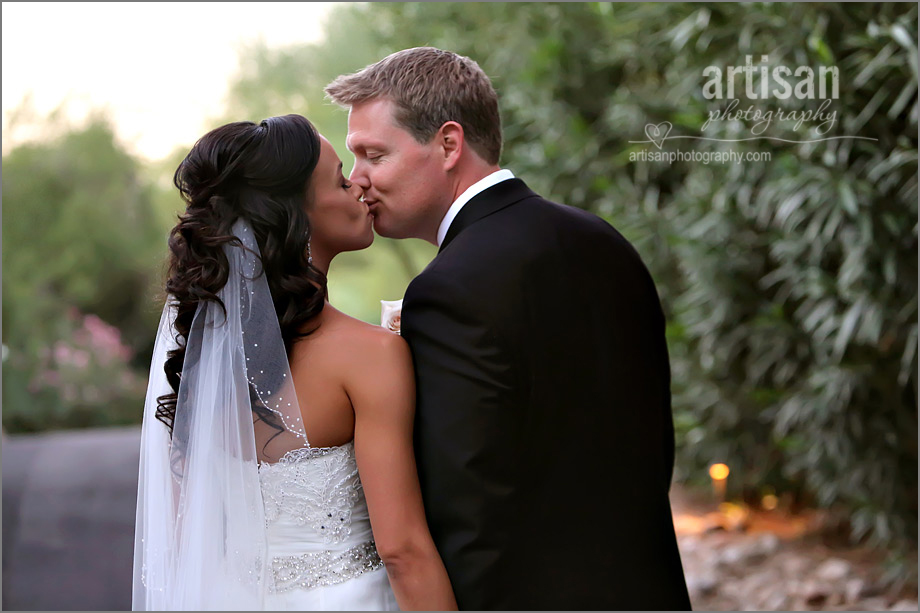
pixel 544 436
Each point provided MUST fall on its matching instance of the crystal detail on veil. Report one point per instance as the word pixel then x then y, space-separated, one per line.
pixel 316 487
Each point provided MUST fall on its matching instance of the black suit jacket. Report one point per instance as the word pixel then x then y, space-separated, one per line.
pixel 544 436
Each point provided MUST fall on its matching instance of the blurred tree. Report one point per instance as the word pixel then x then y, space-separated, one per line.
pixel 78 237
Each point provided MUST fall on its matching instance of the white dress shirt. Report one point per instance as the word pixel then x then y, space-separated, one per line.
pixel 483 184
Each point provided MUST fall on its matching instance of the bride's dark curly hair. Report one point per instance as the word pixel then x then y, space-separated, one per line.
pixel 260 172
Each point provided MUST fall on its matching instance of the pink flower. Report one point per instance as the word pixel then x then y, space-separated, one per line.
pixel 62 352
pixel 105 340
pixel 80 359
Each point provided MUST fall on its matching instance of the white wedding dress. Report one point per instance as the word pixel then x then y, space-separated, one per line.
pixel 320 545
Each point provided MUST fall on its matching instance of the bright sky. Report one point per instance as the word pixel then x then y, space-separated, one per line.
pixel 161 69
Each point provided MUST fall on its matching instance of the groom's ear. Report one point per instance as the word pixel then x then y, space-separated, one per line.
pixel 450 140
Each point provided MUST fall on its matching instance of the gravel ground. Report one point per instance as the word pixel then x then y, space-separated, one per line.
pixel 736 559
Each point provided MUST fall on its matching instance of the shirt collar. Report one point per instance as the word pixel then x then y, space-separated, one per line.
pixel 479 186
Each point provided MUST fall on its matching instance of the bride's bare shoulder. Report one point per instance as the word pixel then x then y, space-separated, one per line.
pixel 351 352
pixel 374 366
pixel 355 338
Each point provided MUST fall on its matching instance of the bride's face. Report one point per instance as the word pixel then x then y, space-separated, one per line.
pixel 341 221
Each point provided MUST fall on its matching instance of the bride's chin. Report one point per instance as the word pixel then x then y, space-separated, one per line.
pixel 366 240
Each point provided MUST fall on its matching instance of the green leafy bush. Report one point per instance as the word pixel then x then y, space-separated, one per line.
pixel 81 249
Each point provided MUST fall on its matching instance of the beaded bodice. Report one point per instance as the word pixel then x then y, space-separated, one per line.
pixel 318 488
pixel 316 518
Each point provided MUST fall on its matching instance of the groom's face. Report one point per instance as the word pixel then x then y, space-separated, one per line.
pixel 404 181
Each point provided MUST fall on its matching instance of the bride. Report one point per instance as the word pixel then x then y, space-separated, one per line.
pixel 277 469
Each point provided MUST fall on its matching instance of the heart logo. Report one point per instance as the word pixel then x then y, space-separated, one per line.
pixel 658 134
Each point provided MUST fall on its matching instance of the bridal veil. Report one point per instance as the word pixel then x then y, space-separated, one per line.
pixel 200 532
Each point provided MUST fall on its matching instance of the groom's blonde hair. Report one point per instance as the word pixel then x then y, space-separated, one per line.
pixel 429 87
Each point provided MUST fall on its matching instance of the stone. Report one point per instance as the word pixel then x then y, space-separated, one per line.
pixel 733 554
pixel 793 565
pixel 833 569
pixel 877 603
pixel 768 544
pixel 688 544
pixel 815 593
pixel 854 589
pixel 748 551
pixel 777 601
pixel 702 585
pixel 904 605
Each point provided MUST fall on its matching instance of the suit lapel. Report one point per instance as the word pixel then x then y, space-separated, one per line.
pixel 484 204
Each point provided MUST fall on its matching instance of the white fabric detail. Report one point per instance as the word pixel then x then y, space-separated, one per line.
pixel 479 186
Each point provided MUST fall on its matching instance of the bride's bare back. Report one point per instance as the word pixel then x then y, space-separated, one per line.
pixel 325 364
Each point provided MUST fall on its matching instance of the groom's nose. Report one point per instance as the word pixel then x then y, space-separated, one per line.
pixel 359 178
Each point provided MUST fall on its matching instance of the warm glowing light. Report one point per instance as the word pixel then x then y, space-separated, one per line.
pixel 769 502
pixel 719 472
